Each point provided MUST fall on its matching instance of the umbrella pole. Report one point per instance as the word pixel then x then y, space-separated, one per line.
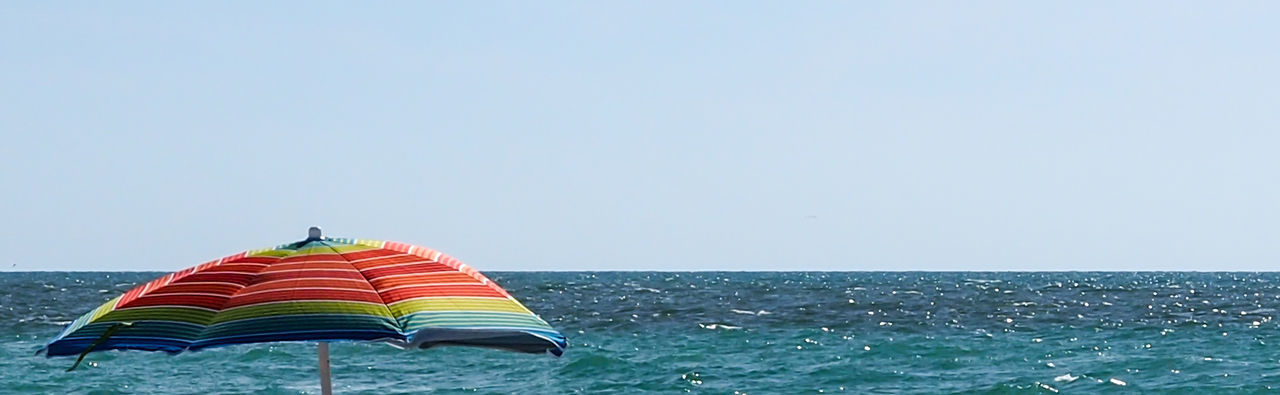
pixel 326 388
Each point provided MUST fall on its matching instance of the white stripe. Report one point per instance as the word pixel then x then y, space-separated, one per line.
pixel 210 342
pixel 448 312
pixel 225 271
pixel 246 263
pixel 428 285
pixel 362 281
pixel 170 306
pixel 396 255
pixel 520 329
pixel 279 264
pixel 185 323
pixel 391 276
pixel 307 270
pixel 176 339
pixel 238 320
pixel 421 262
pixel 208 283
pixel 454 297
pixel 304 288
pixel 301 300
pixel 184 294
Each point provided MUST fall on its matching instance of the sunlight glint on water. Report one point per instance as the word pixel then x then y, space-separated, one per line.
pixel 738 332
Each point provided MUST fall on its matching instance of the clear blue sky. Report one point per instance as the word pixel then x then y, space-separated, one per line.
pixel 646 135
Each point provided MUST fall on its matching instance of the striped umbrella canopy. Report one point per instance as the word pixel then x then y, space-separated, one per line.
pixel 319 289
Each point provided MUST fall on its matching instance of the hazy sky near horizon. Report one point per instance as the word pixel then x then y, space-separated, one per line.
pixel 646 135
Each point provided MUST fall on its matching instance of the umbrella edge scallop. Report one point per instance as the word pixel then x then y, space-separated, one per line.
pixel 319 289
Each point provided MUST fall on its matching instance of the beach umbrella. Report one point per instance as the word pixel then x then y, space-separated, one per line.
pixel 318 289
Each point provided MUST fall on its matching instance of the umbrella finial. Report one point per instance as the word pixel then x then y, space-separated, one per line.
pixel 313 233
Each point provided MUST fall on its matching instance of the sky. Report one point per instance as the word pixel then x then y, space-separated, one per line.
pixel 662 135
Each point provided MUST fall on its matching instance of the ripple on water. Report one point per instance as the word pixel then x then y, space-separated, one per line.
pixel 950 332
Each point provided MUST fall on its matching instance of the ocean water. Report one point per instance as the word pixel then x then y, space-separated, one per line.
pixel 726 333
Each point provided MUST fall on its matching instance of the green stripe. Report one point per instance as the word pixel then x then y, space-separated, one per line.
pixel 290 308
pixel 311 249
pixel 408 307
pixel 301 323
pixel 167 313
pixel 419 321
pixel 92 315
pixel 145 328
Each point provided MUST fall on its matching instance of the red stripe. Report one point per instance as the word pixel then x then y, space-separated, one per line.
pixel 210 302
pixel 294 295
pixel 422 279
pixel 308 274
pixel 358 255
pixel 233 267
pixel 130 296
pixel 312 257
pixel 252 259
pixel 416 275
pixel 395 246
pixel 387 261
pixel 397 295
pixel 309 282
pixel 419 268
pixel 213 276
pixel 177 287
pixel 282 266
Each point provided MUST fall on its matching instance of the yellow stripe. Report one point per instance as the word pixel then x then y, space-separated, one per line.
pixel 284 252
pixel 407 307
pixel 104 309
pixel 299 307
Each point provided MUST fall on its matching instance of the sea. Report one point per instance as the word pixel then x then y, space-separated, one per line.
pixel 735 333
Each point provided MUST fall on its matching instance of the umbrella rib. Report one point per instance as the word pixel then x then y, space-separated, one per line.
pixel 399 327
pixel 223 306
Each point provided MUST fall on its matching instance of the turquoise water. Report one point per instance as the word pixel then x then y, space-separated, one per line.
pixel 874 332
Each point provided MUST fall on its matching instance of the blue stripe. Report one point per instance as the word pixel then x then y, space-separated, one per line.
pixel 319 335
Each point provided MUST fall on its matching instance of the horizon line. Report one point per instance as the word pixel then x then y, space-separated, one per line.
pixel 738 271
